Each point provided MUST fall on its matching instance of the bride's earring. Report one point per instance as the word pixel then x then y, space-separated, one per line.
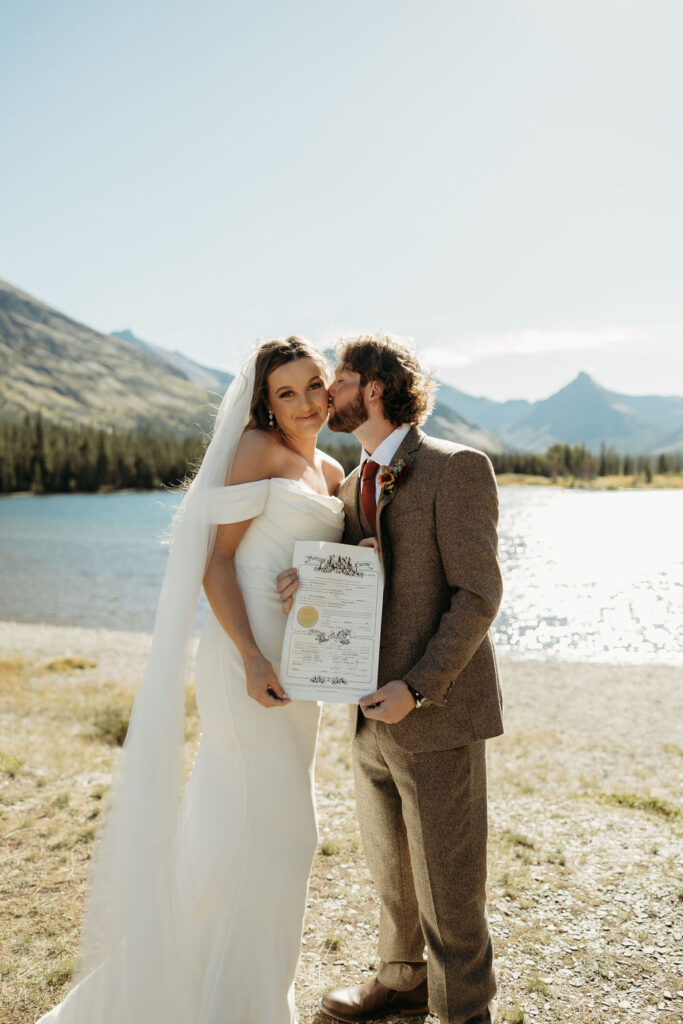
pixel 271 419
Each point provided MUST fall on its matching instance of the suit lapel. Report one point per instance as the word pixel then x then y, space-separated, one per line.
pixel 349 492
pixel 411 442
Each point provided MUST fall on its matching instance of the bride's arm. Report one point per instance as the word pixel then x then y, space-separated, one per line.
pixel 225 598
pixel 223 590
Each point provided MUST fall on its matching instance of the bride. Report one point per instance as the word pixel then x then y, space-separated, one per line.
pixel 197 898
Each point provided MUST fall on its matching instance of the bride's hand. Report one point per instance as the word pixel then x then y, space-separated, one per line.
pixel 262 683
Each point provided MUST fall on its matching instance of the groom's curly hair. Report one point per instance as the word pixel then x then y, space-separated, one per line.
pixel 408 395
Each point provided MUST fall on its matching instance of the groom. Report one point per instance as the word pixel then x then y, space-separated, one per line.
pixel 419 741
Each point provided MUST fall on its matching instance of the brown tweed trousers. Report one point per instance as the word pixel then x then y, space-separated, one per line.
pixel 421 783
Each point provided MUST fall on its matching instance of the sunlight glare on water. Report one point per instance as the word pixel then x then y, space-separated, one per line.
pixel 591 575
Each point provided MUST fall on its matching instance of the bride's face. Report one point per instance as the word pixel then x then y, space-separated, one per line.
pixel 297 397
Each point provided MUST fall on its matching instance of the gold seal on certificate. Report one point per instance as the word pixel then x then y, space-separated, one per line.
pixel 331 646
pixel 307 616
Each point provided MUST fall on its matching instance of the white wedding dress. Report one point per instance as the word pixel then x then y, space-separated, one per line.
pixel 247 823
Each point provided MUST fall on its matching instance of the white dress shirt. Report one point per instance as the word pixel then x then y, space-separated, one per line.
pixel 384 452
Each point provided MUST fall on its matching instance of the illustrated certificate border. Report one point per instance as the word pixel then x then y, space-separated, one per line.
pixel 331 645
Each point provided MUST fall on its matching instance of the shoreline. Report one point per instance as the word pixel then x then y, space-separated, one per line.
pixel 629 482
pixel 131 647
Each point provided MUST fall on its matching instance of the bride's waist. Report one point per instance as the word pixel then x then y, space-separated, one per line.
pixel 259 577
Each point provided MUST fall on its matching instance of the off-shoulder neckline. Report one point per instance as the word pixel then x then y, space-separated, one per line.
pixel 284 480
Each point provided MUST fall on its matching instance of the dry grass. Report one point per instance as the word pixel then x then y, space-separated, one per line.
pixel 659 481
pixel 585 905
pixel 67 665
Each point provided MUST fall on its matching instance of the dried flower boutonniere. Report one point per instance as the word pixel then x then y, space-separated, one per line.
pixel 389 476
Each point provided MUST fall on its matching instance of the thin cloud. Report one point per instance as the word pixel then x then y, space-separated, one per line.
pixel 465 351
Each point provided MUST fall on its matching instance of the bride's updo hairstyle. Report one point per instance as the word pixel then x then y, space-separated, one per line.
pixel 269 357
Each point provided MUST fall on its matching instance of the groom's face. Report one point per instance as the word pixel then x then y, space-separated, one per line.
pixel 347 402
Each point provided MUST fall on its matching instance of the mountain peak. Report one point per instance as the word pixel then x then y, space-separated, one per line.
pixel 585 378
pixel 582 384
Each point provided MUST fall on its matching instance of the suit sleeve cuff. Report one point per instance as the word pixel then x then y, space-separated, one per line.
pixel 434 692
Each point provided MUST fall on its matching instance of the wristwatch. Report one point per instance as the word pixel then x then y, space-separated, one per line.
pixel 420 700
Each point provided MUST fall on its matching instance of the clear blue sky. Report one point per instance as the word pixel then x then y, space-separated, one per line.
pixel 500 181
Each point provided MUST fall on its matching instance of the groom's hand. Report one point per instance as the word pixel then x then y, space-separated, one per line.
pixel 371 542
pixel 390 703
pixel 287 585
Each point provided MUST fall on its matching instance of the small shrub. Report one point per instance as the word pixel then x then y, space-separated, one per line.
pixel 509 885
pixel 9 764
pixel 333 943
pixel 70 664
pixel 60 972
pixel 329 848
pixel 111 724
pixel 517 839
pixel 650 804
pixel 515 1015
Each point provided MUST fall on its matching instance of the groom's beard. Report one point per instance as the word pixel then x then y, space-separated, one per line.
pixel 348 419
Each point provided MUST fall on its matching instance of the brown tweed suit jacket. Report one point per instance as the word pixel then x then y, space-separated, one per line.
pixel 438 537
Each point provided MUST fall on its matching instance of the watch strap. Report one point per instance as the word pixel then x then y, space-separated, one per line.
pixel 420 699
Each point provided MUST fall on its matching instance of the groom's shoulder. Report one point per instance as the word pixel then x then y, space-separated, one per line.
pixel 447 465
pixel 439 451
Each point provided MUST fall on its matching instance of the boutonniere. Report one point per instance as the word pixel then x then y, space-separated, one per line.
pixel 389 476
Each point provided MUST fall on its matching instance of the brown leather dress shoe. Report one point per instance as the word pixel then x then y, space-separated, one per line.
pixel 372 999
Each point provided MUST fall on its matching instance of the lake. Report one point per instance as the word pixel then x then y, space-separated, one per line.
pixel 589 575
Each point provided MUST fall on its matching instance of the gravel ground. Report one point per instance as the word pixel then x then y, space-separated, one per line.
pixel 586 893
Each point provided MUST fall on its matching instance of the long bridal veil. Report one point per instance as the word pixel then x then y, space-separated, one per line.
pixel 132 966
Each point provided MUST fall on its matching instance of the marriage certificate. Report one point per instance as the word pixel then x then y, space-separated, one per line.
pixel 331 645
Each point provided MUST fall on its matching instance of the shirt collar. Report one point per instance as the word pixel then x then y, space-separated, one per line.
pixel 384 452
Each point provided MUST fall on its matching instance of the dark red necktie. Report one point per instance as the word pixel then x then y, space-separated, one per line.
pixel 367 493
